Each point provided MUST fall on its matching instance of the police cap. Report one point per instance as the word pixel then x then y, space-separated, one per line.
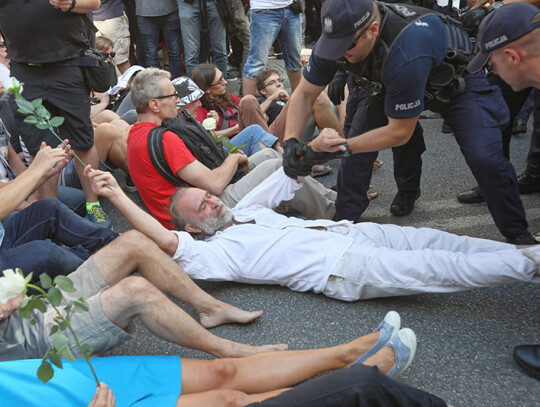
pixel 503 26
pixel 341 19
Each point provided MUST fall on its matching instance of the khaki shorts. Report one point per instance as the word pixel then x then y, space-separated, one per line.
pixel 117 30
pixel 91 327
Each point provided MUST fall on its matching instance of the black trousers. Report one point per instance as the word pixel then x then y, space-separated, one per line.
pixel 358 386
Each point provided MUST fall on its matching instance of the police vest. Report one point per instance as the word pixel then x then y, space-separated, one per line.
pixel 198 141
pixel 443 83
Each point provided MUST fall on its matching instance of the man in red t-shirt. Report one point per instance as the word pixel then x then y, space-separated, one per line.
pixel 156 99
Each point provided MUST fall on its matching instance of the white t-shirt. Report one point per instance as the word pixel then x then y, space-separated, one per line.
pixel 4 75
pixel 269 4
pixel 274 250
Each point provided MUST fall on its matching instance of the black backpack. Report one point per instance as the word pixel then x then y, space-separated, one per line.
pixel 197 139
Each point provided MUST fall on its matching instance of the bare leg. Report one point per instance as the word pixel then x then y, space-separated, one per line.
pixel 134 296
pixel 276 370
pixel 133 251
pixel 88 157
pixel 294 78
pixel 324 114
pixel 249 86
pixel 111 145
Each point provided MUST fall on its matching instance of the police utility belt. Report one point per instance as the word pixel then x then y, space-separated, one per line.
pixel 446 81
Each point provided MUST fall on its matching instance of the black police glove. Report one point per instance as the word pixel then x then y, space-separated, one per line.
pixel 336 88
pixel 312 158
pixel 293 152
pixel 297 6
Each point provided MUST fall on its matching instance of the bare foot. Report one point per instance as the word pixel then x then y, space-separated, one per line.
pixel 356 348
pixel 227 314
pixel 372 195
pixel 383 359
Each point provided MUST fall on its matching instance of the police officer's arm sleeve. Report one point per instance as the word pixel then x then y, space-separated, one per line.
pixel 396 133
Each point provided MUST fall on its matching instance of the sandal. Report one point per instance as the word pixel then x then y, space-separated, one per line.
pixel 320 169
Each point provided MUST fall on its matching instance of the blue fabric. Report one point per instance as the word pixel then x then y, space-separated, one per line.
pixel 150 28
pixel 266 26
pixel 190 24
pixel 477 117
pixel 251 136
pixel 108 9
pixel 135 381
pixel 364 113
pixel 49 237
pixel 2 232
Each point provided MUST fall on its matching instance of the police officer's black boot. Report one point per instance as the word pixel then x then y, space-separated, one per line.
pixel 403 202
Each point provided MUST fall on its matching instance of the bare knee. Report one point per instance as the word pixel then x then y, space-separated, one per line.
pixel 248 102
pixel 234 398
pixel 222 371
pixel 322 103
pixel 134 242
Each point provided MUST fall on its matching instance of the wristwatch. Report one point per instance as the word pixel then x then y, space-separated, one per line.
pixel 73 4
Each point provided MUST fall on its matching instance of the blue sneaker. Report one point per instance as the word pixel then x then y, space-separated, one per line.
pixel 388 328
pixel 98 217
pixel 404 345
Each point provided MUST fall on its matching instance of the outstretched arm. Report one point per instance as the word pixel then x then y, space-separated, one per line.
pixel 104 184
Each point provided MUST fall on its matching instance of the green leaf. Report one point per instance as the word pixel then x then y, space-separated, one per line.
pixel 67 354
pixel 62 325
pixel 33 321
pixel 42 112
pixel 40 305
pixel 45 371
pixel 37 103
pixel 55 359
pixel 28 278
pixel 80 305
pixel 45 280
pixel 64 283
pixel 87 349
pixel 25 107
pixel 54 330
pixel 42 125
pixel 55 296
pixel 60 342
pixel 26 310
pixel 56 121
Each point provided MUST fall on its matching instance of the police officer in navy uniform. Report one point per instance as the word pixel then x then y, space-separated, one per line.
pixel 410 59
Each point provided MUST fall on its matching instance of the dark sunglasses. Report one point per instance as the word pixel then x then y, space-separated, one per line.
pixel 2 44
pixel 175 94
pixel 273 82
pixel 111 54
pixel 221 81
pixel 360 34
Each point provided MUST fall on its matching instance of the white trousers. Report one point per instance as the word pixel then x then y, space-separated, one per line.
pixel 389 260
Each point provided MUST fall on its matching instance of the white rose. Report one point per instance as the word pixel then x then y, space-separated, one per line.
pixel 11 285
pixel 209 123
pixel 14 86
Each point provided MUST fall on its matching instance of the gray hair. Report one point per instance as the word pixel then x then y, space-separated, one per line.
pixel 147 86
pixel 179 219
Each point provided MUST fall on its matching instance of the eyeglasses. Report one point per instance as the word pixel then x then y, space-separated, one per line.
pixel 2 44
pixel 175 95
pixel 111 54
pixel 273 82
pixel 221 81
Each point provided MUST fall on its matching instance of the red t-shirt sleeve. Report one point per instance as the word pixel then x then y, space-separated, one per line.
pixel 177 154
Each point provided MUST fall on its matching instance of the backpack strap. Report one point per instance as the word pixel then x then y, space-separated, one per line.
pixel 157 156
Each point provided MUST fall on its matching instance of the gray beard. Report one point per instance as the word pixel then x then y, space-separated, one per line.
pixel 217 223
